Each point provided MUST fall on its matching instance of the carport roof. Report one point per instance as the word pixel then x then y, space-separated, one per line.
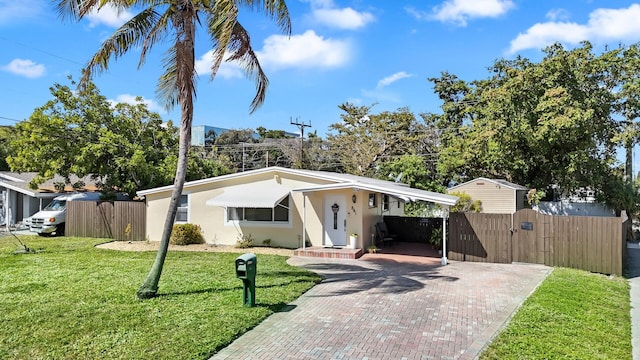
pixel 402 192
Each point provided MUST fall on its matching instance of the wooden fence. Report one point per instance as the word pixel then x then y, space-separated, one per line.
pixel 106 219
pixel 596 244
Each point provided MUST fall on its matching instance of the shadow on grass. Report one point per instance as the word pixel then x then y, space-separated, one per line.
pixel 306 279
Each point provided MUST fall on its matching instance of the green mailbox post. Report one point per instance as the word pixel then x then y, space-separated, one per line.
pixel 246 267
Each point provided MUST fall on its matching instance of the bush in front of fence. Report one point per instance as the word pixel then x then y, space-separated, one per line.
pixel 185 234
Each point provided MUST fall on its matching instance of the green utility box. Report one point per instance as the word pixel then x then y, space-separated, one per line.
pixel 246 268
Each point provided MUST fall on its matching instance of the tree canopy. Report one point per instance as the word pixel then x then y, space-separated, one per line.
pixel 123 147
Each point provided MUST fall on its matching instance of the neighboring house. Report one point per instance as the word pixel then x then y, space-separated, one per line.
pixel 292 208
pixel 497 196
pixel 18 201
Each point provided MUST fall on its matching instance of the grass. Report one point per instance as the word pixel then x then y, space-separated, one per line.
pixel 73 301
pixel 572 315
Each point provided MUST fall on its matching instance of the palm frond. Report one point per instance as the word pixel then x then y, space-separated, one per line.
pixel 275 9
pixel 75 9
pixel 129 35
pixel 242 53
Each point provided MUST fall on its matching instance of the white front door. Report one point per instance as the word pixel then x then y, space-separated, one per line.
pixel 335 220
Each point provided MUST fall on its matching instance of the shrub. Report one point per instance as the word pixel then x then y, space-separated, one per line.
pixel 466 203
pixel 185 234
pixel 266 242
pixel 244 241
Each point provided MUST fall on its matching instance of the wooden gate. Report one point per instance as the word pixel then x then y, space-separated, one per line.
pixel 528 240
pixel 596 244
pixel 479 237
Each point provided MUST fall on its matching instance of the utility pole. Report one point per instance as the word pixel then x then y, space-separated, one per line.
pixel 301 126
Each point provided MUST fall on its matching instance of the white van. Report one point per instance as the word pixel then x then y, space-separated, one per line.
pixel 52 218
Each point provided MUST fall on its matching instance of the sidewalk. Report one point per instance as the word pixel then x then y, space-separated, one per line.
pixel 634 280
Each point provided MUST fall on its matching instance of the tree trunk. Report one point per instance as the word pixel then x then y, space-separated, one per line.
pixel 185 71
pixel 149 288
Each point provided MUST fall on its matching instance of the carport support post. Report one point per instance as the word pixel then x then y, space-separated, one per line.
pixel 445 213
pixel 304 220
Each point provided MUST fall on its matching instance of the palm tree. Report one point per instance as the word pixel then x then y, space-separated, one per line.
pixel 178 20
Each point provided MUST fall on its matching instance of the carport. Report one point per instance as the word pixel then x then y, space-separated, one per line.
pixel 402 192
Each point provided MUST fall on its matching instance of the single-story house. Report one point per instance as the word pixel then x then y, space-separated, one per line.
pixel 497 196
pixel 18 201
pixel 291 208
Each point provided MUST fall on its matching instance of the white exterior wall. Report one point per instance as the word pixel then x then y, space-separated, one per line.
pixel 360 218
pixel 220 232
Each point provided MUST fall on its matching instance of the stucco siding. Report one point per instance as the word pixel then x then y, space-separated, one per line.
pixel 306 211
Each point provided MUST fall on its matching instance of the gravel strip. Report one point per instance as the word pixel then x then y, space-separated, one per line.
pixel 153 246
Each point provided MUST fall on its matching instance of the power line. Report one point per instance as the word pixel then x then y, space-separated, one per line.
pixel 42 51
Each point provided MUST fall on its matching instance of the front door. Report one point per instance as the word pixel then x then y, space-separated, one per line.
pixel 335 220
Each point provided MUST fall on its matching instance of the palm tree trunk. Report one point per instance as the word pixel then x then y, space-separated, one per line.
pixel 149 288
pixel 185 72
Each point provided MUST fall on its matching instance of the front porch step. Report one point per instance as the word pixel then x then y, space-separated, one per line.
pixel 329 253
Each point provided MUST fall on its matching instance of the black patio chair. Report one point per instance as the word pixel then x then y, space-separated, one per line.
pixel 384 238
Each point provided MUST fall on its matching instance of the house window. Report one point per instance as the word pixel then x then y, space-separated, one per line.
pixel 372 200
pixel 385 202
pixel 279 213
pixel 182 215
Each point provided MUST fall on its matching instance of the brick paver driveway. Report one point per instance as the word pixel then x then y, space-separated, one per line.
pixel 392 308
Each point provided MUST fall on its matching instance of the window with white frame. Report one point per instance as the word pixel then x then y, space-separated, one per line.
pixel 277 214
pixel 385 202
pixel 373 200
pixel 182 215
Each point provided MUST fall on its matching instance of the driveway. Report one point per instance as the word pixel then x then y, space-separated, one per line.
pixel 393 307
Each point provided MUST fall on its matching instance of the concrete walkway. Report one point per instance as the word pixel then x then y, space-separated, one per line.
pixel 392 308
pixel 634 280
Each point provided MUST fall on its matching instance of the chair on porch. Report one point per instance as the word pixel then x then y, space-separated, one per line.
pixel 383 235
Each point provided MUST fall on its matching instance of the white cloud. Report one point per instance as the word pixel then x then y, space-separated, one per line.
pixel 307 50
pixel 418 14
pixel 393 78
pixel 346 18
pixel 326 13
pixel 11 10
pixel 227 70
pixel 604 25
pixel 108 15
pixel 459 11
pixel 557 14
pixel 133 100
pixel 25 67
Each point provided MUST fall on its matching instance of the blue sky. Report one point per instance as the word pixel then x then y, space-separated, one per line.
pixel 364 52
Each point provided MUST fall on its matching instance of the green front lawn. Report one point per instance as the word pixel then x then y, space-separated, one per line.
pixel 73 301
pixel 572 315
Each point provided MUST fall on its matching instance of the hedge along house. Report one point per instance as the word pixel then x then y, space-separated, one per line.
pixel 290 208
pixel 497 196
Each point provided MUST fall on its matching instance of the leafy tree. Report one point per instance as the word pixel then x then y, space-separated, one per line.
pixel 362 141
pixel 157 21
pixel 536 124
pixel 6 134
pixel 270 134
pixel 413 170
pixel 466 203
pixel 124 147
pixel 621 67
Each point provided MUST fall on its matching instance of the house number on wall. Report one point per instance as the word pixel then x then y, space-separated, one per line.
pixel 335 209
